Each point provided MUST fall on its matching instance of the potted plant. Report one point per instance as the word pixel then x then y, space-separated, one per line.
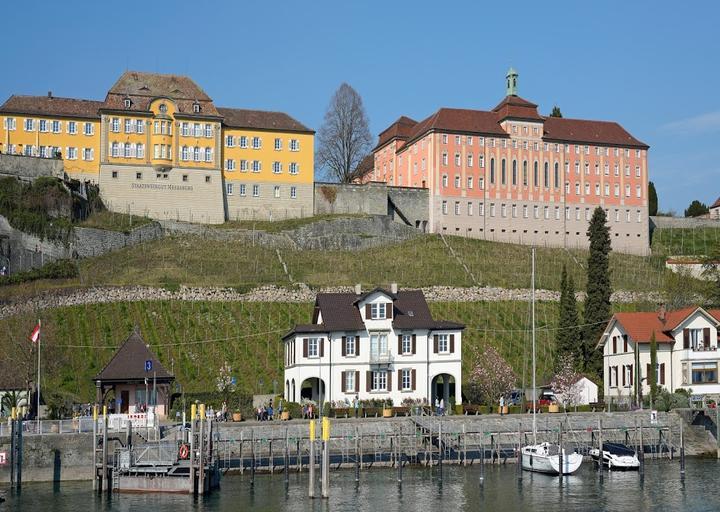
pixel 236 415
pixel 387 408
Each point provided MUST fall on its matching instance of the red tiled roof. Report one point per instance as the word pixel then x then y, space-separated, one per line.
pixel 640 325
pixel 716 204
pixel 51 106
pixel 517 108
pixel 589 132
pixel 458 120
pixel 260 119
pixel 400 129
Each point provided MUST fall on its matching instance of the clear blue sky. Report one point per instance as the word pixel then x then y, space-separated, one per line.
pixel 650 65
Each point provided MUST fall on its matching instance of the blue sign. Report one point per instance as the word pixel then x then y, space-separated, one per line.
pixel 148 365
pixel 233 381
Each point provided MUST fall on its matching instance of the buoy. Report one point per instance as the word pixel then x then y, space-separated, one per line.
pixel 184 451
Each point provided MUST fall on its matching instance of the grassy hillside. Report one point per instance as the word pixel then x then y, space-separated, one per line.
pixel 424 261
pixel 195 339
pixel 685 241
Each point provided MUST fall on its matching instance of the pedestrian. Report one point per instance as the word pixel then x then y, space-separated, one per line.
pixel 502 404
pixel 437 406
pixel 304 411
pixel 270 412
pixel 442 407
pixel 224 411
pixel 356 405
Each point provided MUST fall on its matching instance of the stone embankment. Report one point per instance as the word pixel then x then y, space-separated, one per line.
pixel 300 293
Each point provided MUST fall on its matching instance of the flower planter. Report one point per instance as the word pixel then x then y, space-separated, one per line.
pixel 553 408
pixel 237 416
pixel 505 409
pixel 387 413
pixel 285 415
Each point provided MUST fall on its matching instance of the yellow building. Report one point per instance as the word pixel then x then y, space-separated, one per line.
pixel 158 146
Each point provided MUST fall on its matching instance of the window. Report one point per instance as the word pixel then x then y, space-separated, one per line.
pixel 514 173
pixel 277 167
pixel 503 210
pixel 481 183
pixel 546 175
pixel 229 188
pixel 377 311
pixel 256 166
pixel 444 158
pixel 88 154
pixel 546 212
pixel 607 189
pixel 293 192
pixel 492 171
pixel 470 160
pixel 627 190
pixel 114 150
pixel 481 209
pixel 256 190
pixel 140 152
pixel 230 141
pixel 196 130
pixel 208 130
pixel 469 182
pixel 503 171
pixel 243 143
pixel 577 188
pixel 29 125
pixel 469 140
pixel 114 174
pixel 637 171
pixel 28 151
pixel 138 175
pixel 514 211
pixel 457 159
pixel 557 176
pixel 56 126
pixel 443 343
pixel 196 107
pixel 406 344
pixel 406 379
pixel 627 170
pixel 444 181
pixel 10 123
pixel 43 125
pixel 243 165
pixel 242 189
pixel 587 188
pixel 129 126
pixel 525 211
pixel 597 189
pixel 184 153
pixel 457 181
pixel 313 347
pixel 492 209
pixel 444 138
pixel 379 381
pixel 457 139
pixel 230 164
pixel 294 145
pixel 278 144
pixel 349 384
pixel 43 152
pixel 457 207
pixel 704 373
pixel 525 173
pixel 617 190
pixel 196 154
pixel 444 208
pixel 256 142
pixel 276 192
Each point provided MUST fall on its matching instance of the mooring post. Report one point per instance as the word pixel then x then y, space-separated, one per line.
pixel 560 453
pixel 12 449
pixel 271 458
pixel 682 451
pixel 193 416
pixel 95 447
pixel 252 455
pixel 464 434
pixel 242 459
pixel 311 464
pixel 440 448
pixel 717 427
pixel 600 450
pixel 287 458
pixel 641 453
pixel 201 451
pixel 325 484
pixel 482 456
pixel 518 469
pixel 105 485
pixel 357 454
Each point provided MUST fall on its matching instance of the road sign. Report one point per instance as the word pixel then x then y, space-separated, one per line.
pixel 148 365
pixel 3 458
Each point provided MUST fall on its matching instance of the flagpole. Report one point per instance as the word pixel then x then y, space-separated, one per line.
pixel 37 413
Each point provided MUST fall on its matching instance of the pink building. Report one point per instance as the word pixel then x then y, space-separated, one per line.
pixel 513 175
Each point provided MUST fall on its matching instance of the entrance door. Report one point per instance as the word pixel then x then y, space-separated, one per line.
pixel 124 401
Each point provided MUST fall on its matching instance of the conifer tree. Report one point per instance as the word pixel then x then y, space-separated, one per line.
pixel 652 374
pixel 597 301
pixel 569 339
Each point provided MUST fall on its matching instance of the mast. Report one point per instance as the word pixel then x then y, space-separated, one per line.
pixel 532 298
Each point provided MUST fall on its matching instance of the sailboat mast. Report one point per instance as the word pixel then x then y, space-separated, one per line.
pixel 532 297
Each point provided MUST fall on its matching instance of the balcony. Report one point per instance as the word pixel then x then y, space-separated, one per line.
pixel 702 348
pixel 381 359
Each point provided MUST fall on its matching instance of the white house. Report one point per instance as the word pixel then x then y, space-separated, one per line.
pixel 582 392
pixel 715 209
pixel 687 355
pixel 380 344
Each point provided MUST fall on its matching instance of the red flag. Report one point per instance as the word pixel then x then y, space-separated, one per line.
pixel 35 334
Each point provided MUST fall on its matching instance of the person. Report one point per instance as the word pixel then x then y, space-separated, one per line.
pixel 442 407
pixel 280 408
pixel 437 406
pixel 270 412
pixel 502 404
pixel 304 411
pixel 356 404
pixel 224 411
pixel 258 413
pixel 310 411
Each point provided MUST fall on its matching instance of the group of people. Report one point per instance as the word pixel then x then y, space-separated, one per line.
pixel 267 413
pixel 439 407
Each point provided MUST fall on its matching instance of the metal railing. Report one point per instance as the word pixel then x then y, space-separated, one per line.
pixel 47 427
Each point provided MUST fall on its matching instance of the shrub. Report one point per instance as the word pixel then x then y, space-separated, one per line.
pixel 60 269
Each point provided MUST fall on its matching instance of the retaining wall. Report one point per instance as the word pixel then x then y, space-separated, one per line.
pixel 683 222
pixel 28 168
pixel 52 457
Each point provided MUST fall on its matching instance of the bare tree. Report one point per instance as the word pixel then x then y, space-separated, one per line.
pixel 344 138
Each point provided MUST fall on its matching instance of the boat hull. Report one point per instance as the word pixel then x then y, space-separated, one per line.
pixel 538 459
pixel 616 462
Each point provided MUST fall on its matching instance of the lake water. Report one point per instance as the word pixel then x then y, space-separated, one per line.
pixel 421 489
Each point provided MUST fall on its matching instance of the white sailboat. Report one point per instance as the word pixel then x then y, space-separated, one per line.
pixel 546 457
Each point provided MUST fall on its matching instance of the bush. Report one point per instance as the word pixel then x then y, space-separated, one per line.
pixel 236 402
pixel 60 269
pixel 678 400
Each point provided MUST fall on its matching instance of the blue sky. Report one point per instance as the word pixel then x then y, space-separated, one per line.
pixel 652 66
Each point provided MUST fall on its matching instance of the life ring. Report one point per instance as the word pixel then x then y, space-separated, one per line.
pixel 184 451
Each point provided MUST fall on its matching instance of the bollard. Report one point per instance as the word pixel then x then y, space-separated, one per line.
pixel 311 462
pixel 325 483
pixel 561 457
pixel 518 469
pixel 682 451
pixel 600 452
pixel 287 460
pixel 641 455
pixel 482 457
pixel 357 455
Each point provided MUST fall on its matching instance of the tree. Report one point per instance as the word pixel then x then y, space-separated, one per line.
pixel 569 338
pixel 711 272
pixel 224 382
pixel 556 112
pixel 344 138
pixel 597 302
pixel 652 375
pixel 491 377
pixel 563 383
pixel 652 199
pixel 696 209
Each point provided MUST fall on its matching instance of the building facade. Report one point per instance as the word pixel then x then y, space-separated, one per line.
pixel 687 352
pixel 376 345
pixel 512 175
pixel 158 146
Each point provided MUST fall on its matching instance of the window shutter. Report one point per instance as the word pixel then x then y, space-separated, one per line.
pixel 435 344
pixel 452 343
pixel 321 342
pixel 625 343
pixel 342 381
pixel 623 372
pixel 357 345
pixel 357 381
pixel 400 343
pixel 305 347
pixel 413 379
pixel 706 336
pixel 389 381
pixel 686 338
pixel 632 380
pixel 614 345
pixel 662 373
pixel 368 380
pixel 389 310
pixel 647 375
pixel 414 344
pixel 344 347
pixel 367 311
pixel 400 380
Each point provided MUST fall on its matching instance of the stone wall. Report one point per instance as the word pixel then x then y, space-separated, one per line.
pixel 683 222
pixel 412 203
pixel 88 242
pixel 28 168
pixel 52 457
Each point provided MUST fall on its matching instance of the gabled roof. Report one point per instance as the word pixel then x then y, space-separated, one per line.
pixel 458 120
pixel 340 313
pixel 400 129
pixel 365 295
pixel 261 120
pixel 51 106
pixel 716 204
pixel 128 363
pixel 142 88
pixel 589 132
pixel 515 107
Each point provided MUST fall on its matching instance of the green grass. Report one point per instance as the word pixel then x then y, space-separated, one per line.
pixel 277 226
pixel 685 241
pixel 195 338
pixel 112 221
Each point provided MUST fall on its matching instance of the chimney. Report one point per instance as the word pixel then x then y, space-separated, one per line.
pixel 393 288
pixel 49 94
pixel 661 313
pixel 358 289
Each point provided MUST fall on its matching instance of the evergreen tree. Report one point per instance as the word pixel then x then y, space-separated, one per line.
pixel 597 302
pixel 652 199
pixel 556 112
pixel 652 375
pixel 696 209
pixel 569 340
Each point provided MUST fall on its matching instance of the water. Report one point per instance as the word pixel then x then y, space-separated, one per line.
pixel 421 490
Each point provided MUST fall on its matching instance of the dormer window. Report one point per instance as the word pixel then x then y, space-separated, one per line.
pixel 378 311
pixel 127 102
pixel 196 107
pixel 163 108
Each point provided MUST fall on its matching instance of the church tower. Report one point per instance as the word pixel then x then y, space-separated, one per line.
pixel 511 87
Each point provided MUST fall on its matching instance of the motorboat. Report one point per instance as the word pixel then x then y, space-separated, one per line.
pixel 546 458
pixel 616 456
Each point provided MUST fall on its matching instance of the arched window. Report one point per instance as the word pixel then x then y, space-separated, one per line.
pixel 514 172
pixel 184 155
pixel 525 176
pixel 546 176
pixel 292 385
pixel 492 171
pixel 287 390
pixel 536 178
pixel 503 172
pixel 208 155
pixel 557 176
pixel 196 154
